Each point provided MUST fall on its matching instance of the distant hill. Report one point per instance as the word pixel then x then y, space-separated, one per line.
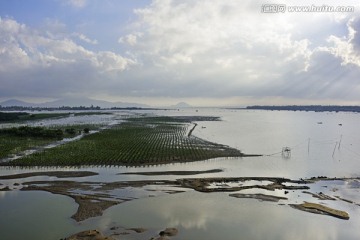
pixel 315 108
pixel 15 102
pixel 72 102
pixel 181 105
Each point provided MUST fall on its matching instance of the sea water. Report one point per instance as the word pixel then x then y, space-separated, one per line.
pixel 321 144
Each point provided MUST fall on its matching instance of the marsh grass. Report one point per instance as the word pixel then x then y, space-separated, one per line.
pixel 24 116
pixel 13 145
pixel 16 140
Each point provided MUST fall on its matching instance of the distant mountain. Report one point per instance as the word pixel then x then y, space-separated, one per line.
pixel 127 104
pixel 73 102
pixel 315 108
pixel 15 102
pixel 181 105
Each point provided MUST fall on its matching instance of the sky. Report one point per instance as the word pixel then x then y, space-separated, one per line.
pixel 161 52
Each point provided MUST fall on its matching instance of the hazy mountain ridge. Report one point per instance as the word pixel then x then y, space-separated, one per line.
pixel 181 105
pixel 72 102
pixel 86 102
pixel 15 102
pixel 315 108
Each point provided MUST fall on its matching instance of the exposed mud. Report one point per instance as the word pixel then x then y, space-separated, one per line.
pixel 320 196
pixel 88 235
pixel 261 197
pixel 202 184
pixel 116 232
pixel 95 197
pixel 321 209
pixel 163 173
pixel 58 174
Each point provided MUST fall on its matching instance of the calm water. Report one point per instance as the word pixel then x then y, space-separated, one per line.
pixel 325 149
pixel 35 215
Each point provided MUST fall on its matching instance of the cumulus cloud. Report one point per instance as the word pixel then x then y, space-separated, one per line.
pixel 347 47
pixel 31 61
pixel 130 39
pixel 229 48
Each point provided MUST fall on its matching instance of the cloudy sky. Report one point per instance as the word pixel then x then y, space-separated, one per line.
pixel 160 52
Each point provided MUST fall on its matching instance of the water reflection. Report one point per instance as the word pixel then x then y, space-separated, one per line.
pixel 217 216
pixel 36 215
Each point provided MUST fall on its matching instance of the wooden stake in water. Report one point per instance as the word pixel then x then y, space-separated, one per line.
pixel 308 146
pixel 340 141
pixel 334 148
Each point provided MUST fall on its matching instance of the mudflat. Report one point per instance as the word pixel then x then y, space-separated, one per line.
pixel 58 174
pixel 95 197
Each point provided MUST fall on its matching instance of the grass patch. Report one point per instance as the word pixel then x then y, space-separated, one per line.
pixel 34 132
pixel 24 116
pixel 16 140
pixel 13 144
pixel 92 113
pixel 139 141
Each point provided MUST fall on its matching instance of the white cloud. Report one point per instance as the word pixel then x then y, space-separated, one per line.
pixel 30 60
pixel 229 48
pixel 85 38
pixel 130 39
pixel 219 43
pixel 109 61
pixel 76 3
pixel 10 50
pixel 216 28
pixel 347 47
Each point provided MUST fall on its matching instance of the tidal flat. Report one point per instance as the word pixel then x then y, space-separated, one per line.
pixel 206 198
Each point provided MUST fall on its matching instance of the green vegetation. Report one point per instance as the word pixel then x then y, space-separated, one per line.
pixel 7 117
pixel 92 113
pixel 23 116
pixel 16 140
pixel 34 132
pixel 14 144
pixel 141 140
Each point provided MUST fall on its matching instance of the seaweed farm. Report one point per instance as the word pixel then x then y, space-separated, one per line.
pixel 139 140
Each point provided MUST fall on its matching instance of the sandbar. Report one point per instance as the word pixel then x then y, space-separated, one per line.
pixel 321 209
pixel 58 174
pixel 259 196
pixel 172 172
